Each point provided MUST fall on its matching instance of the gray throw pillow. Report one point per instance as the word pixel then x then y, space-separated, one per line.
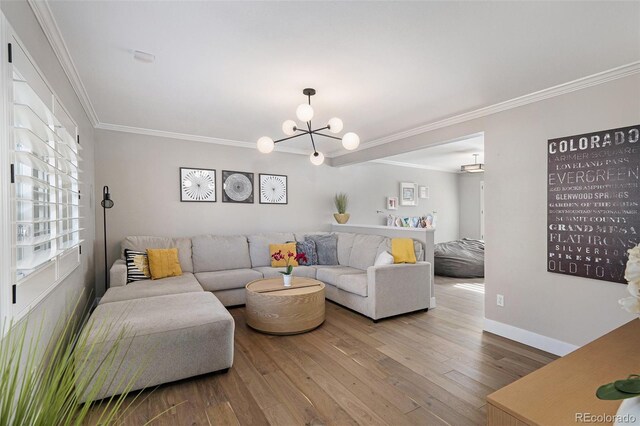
pixel 327 248
pixel 307 247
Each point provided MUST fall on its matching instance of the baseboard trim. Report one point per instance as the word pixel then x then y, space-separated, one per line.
pixel 432 303
pixel 538 341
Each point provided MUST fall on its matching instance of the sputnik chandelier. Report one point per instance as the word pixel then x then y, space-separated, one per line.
pixel 304 112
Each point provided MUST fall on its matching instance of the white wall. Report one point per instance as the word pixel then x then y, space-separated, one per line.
pixel 81 281
pixel 469 194
pixel 371 183
pixel 142 173
pixel 570 309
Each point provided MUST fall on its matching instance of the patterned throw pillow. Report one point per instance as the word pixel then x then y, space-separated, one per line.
pixel 137 265
pixel 327 248
pixel 308 247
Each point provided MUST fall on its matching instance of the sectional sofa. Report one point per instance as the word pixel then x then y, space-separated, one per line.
pixel 224 265
pixel 179 327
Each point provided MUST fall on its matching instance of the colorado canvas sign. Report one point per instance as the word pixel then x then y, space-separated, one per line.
pixel 593 201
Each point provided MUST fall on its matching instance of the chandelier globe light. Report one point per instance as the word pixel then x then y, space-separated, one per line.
pixel 350 141
pixel 265 144
pixel 289 127
pixel 304 113
pixel 317 158
pixel 335 125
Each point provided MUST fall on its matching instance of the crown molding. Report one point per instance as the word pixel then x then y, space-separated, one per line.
pixel 46 20
pixel 193 138
pixel 551 92
pixel 561 89
pixel 412 165
pixel 52 32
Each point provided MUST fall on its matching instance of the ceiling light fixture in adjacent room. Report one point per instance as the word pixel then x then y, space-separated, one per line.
pixel 473 168
pixel 304 113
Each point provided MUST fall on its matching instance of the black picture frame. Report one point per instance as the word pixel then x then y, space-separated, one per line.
pixel 228 195
pixel 210 172
pixel 261 188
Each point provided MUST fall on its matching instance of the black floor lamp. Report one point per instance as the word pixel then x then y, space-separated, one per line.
pixel 106 203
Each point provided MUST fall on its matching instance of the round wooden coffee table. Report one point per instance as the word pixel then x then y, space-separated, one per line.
pixel 276 309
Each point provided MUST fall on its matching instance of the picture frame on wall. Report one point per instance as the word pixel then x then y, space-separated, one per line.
pixel 392 203
pixel 408 194
pixel 237 187
pixel 197 185
pixel 273 189
pixel 423 191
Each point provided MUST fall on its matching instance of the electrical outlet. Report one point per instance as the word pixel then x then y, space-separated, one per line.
pixel 500 300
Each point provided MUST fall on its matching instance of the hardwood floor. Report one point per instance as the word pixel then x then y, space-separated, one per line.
pixel 427 368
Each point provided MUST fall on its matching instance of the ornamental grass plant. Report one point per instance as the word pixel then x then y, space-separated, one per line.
pixel 341 200
pixel 45 386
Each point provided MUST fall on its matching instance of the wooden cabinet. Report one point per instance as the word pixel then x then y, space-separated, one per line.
pixel 560 392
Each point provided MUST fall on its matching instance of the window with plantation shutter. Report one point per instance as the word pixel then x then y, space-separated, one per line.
pixel 44 202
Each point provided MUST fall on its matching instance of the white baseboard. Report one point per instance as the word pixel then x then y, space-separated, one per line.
pixel 547 344
pixel 432 303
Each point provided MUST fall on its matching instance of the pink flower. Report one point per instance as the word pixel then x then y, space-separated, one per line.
pixel 277 255
pixel 301 257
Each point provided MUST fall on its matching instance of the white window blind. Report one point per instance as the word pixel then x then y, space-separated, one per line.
pixel 45 196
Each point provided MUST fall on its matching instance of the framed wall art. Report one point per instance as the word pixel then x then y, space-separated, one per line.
pixel 237 187
pixel 593 197
pixel 273 189
pixel 408 194
pixel 392 203
pixel 423 191
pixel 197 185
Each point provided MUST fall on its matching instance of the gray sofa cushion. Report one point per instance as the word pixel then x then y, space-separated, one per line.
pixel 345 244
pixel 365 248
pixel 353 283
pixel 185 283
pixel 259 246
pixel 227 280
pixel 327 248
pixel 220 253
pixel 331 274
pixel 142 243
pixel 298 271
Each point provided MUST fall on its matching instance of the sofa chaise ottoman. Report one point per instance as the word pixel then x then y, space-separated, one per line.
pixel 159 339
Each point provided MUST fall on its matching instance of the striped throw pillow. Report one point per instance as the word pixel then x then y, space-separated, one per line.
pixel 137 265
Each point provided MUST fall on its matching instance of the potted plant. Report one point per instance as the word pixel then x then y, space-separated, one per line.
pixel 627 390
pixel 632 275
pixel 341 200
pixel 287 274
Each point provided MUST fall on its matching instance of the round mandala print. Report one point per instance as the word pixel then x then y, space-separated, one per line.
pixel 238 187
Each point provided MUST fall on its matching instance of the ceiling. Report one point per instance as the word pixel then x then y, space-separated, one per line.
pixel 236 70
pixel 447 157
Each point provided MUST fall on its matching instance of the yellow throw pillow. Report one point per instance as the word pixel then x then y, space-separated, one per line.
pixel 284 248
pixel 164 263
pixel 402 250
